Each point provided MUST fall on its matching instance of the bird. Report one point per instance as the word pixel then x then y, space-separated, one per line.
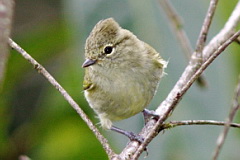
pixel 122 74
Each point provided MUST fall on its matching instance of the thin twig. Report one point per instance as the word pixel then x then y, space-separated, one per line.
pixel 177 27
pixel 227 31
pixel 64 93
pixel 222 136
pixel 172 124
pixel 205 28
pixel 208 62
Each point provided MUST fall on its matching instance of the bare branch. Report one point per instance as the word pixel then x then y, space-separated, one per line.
pixel 177 27
pixel 205 28
pixel 67 97
pixel 222 136
pixel 190 74
pixel 171 103
pixel 6 12
pixel 172 124
pixel 152 128
pixel 227 31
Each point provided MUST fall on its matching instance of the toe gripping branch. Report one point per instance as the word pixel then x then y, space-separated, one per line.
pixel 148 114
pixel 132 136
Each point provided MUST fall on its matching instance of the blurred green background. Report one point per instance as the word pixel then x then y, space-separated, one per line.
pixel 36 121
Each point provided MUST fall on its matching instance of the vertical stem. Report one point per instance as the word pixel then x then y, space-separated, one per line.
pixel 205 28
pixel 222 136
pixel 6 12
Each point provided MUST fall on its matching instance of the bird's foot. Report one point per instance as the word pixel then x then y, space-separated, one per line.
pixel 147 114
pixel 132 136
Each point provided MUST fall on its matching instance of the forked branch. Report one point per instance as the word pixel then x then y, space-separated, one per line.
pixel 176 24
pixel 192 71
pixel 153 128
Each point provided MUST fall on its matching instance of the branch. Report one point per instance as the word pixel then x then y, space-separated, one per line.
pixel 205 28
pixel 67 97
pixel 222 136
pixel 227 31
pixel 170 104
pixel 177 27
pixel 172 124
pixel 192 71
pixel 6 12
pixel 176 24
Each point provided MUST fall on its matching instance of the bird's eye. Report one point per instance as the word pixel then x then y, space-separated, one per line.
pixel 108 49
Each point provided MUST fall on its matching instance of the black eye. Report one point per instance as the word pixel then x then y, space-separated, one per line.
pixel 108 49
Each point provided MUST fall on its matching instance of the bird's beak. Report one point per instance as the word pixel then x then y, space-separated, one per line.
pixel 88 62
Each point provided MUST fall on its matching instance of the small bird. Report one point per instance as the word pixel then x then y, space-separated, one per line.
pixel 122 74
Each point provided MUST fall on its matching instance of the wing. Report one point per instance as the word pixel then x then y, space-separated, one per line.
pixel 87 83
pixel 157 59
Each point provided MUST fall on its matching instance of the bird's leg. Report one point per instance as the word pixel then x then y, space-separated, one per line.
pixel 132 136
pixel 147 114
